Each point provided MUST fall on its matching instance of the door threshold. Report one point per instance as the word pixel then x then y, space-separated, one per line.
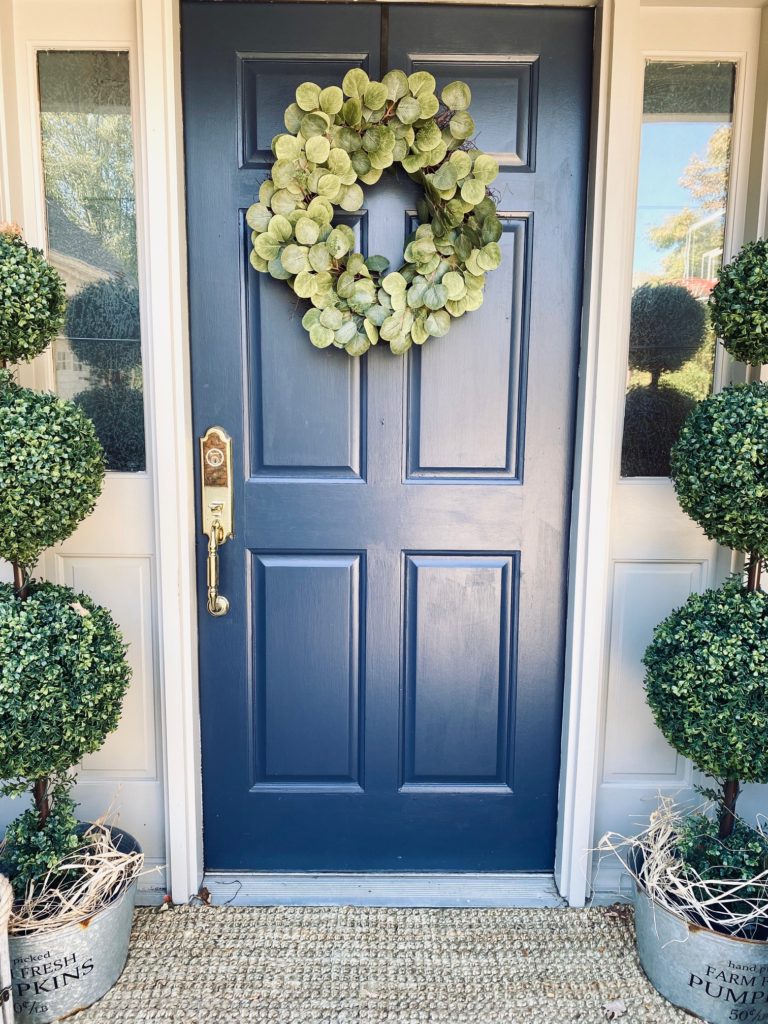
pixel 391 889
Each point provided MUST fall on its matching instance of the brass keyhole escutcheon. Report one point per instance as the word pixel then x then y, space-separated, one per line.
pixel 216 508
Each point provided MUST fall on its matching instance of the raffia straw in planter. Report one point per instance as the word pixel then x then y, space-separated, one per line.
pixel 734 906
pixel 98 872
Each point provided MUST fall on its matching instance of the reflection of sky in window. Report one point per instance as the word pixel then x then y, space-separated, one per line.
pixel 666 150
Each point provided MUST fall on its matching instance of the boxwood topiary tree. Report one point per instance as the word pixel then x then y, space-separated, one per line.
pixel 707 665
pixel 63 669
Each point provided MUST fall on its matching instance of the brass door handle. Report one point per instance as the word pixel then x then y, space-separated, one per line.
pixel 216 507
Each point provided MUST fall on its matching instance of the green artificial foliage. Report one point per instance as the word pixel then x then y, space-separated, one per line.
pixel 707 681
pixel 103 327
pixel 117 413
pixel 743 854
pixel 51 470
pixel 31 849
pixel 63 674
pixel 739 304
pixel 653 417
pixel 338 137
pixel 32 300
pixel 719 467
pixel 667 327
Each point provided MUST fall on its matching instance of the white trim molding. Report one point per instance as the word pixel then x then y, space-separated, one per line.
pixel 169 390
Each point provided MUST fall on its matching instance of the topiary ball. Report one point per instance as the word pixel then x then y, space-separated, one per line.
pixel 51 471
pixel 103 326
pixel 32 300
pixel 719 467
pixel 667 327
pixel 63 674
pixel 707 681
pixel 739 304
pixel 117 413
pixel 653 417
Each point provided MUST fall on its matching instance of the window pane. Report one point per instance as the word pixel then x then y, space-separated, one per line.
pixel 679 235
pixel 85 113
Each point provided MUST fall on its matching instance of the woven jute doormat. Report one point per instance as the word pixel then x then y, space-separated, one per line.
pixel 362 965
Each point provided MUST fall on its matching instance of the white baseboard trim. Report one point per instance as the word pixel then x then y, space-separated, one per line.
pixel 153 884
pixel 267 889
pixel 611 883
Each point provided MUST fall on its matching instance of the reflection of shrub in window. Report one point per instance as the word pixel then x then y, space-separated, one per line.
pixel 104 332
pixel 668 326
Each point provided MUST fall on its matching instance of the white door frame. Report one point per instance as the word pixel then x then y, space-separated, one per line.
pixel 606 312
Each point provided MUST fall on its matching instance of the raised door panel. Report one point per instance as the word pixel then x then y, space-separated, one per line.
pixel 307 643
pixel 459 670
pixel 466 398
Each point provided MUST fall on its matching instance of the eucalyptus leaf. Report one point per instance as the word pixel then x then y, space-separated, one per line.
pixel 485 168
pixel 305 284
pixel 377 264
pixel 292 118
pixel 461 125
pixel 438 323
pixel 266 246
pixel 396 84
pixel 331 318
pixel 318 148
pixel 354 83
pixel 408 109
pixel 473 191
pixel 311 317
pixel 321 337
pixel 421 81
pixel 456 96
pixel 375 95
pixel 277 270
pixel 294 258
pixel 258 217
pixel 286 147
pixel 308 96
pixel 307 231
pixel 331 100
pixel 280 228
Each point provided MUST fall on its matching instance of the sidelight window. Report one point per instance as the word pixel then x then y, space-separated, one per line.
pixel 679 237
pixel 90 200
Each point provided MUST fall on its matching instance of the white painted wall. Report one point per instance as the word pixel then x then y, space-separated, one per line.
pixel 657 556
pixel 112 554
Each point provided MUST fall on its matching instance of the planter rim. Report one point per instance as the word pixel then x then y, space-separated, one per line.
pixel 691 925
pixel 128 844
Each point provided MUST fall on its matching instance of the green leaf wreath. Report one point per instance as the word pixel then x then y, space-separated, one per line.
pixel 337 137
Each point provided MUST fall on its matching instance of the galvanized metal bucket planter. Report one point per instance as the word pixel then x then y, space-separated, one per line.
pixel 58 972
pixel 714 976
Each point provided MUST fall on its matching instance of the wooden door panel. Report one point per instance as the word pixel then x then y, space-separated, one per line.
pixel 385 692
pixel 265 82
pixel 307 673
pixel 458 677
pixel 504 95
pixel 476 373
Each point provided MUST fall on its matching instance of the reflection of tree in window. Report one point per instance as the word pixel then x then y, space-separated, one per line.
pixel 667 328
pixel 692 239
pixel 86 125
pixel 672 346
pixel 103 332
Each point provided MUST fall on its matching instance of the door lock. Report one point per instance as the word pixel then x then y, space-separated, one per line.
pixel 216 507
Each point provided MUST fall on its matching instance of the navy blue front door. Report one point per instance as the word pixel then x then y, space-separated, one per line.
pixel 385 692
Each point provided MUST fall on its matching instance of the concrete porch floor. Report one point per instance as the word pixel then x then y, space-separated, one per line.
pixel 366 965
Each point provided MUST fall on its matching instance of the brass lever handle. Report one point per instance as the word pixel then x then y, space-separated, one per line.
pixel 217 603
pixel 216 507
